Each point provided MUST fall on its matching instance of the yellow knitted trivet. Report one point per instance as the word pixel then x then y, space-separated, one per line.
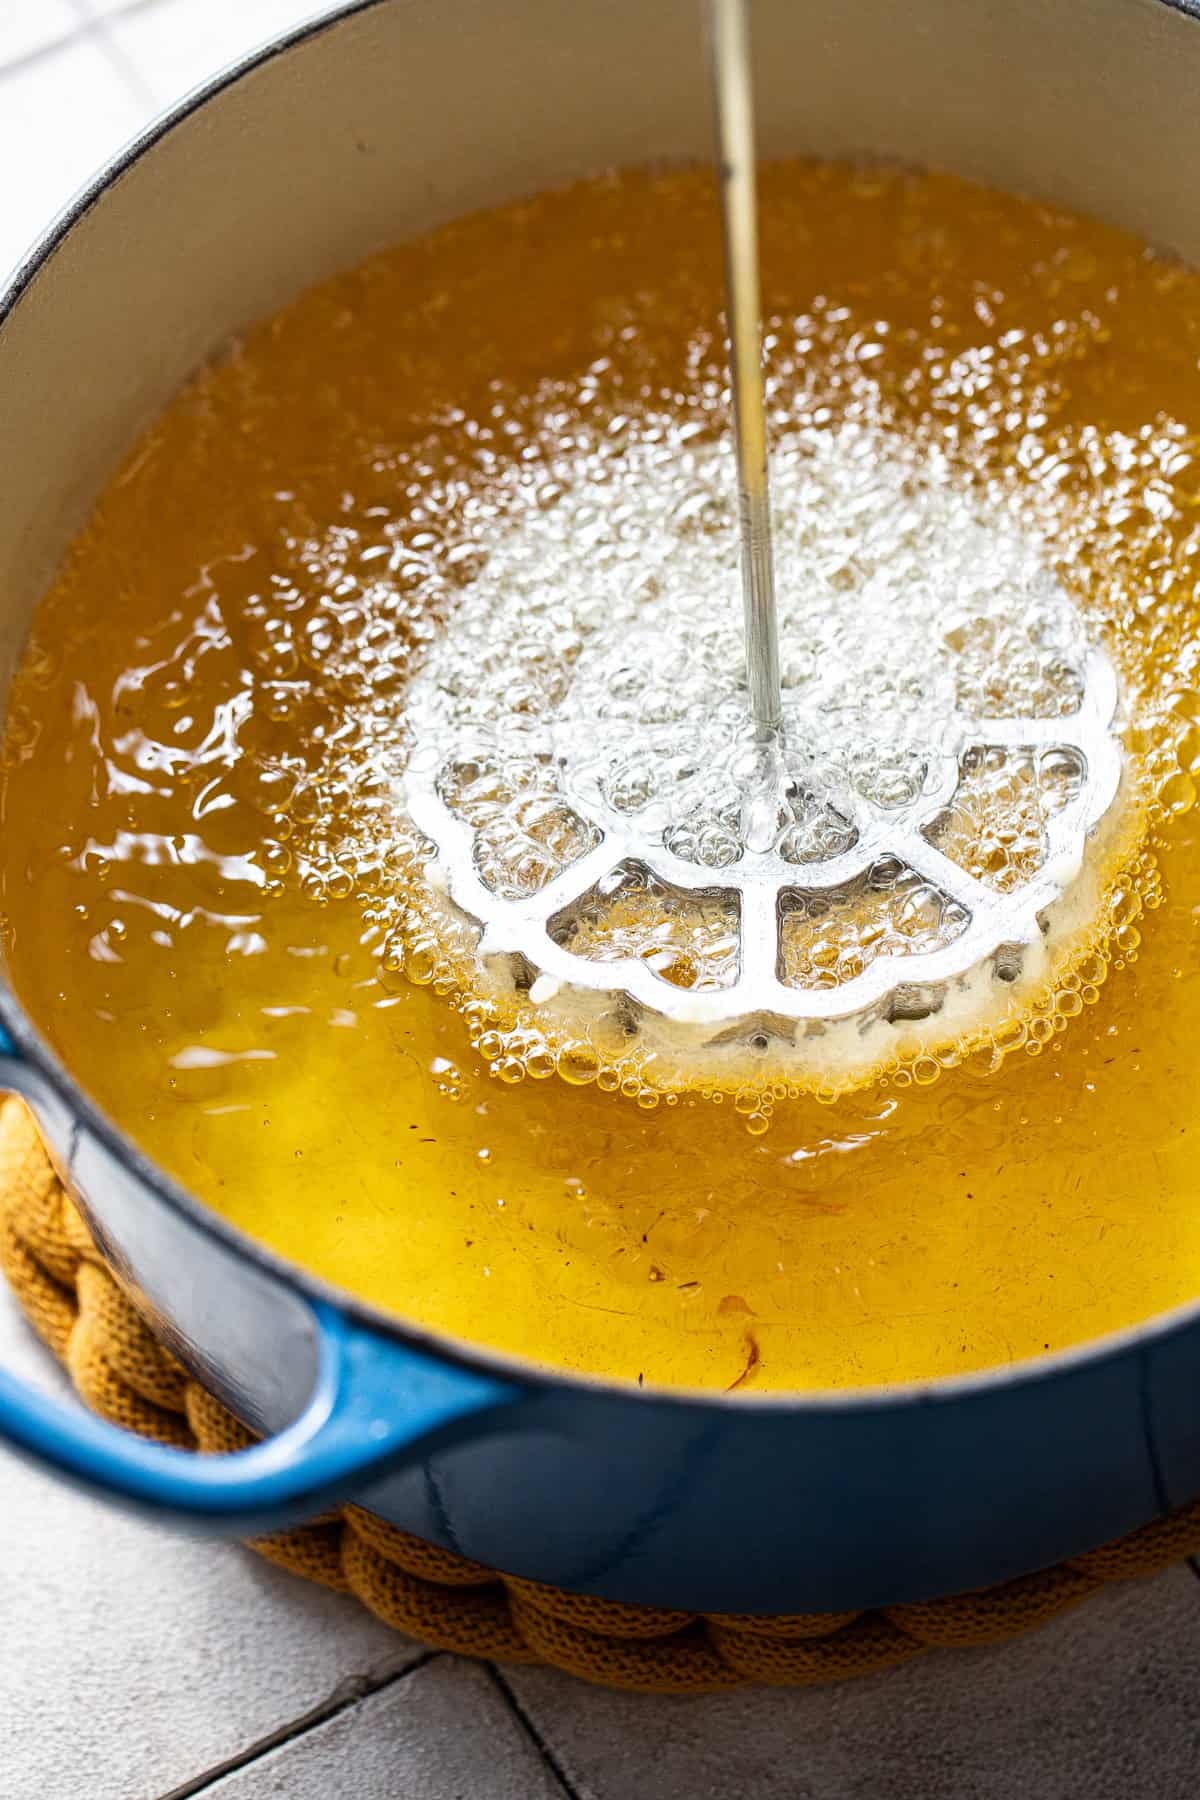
pixel 75 1305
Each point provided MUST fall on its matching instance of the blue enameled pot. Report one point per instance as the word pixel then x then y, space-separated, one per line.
pixel 389 117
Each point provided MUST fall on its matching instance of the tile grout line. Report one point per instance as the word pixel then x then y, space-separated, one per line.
pixel 523 1719
pixel 83 9
pixel 98 26
pixel 346 1695
pixel 89 28
pixel 50 48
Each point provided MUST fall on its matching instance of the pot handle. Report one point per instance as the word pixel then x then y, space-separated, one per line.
pixel 376 1406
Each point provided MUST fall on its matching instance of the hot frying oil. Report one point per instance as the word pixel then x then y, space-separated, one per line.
pixel 208 894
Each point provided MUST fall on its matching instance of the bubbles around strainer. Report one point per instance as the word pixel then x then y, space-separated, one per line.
pixel 612 832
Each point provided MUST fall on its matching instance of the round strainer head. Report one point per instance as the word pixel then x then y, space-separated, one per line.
pixel 617 849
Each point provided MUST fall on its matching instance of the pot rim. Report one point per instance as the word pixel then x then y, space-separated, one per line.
pixel 47 1071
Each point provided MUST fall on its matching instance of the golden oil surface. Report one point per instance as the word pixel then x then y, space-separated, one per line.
pixel 199 889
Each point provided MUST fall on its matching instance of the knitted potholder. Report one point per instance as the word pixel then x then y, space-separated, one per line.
pixel 76 1306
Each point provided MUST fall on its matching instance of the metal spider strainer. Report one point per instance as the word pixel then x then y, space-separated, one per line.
pixel 862 824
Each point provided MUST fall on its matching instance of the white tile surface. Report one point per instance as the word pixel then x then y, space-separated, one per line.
pixel 108 9
pixel 441 1733
pixel 132 1659
pixel 177 43
pixel 29 26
